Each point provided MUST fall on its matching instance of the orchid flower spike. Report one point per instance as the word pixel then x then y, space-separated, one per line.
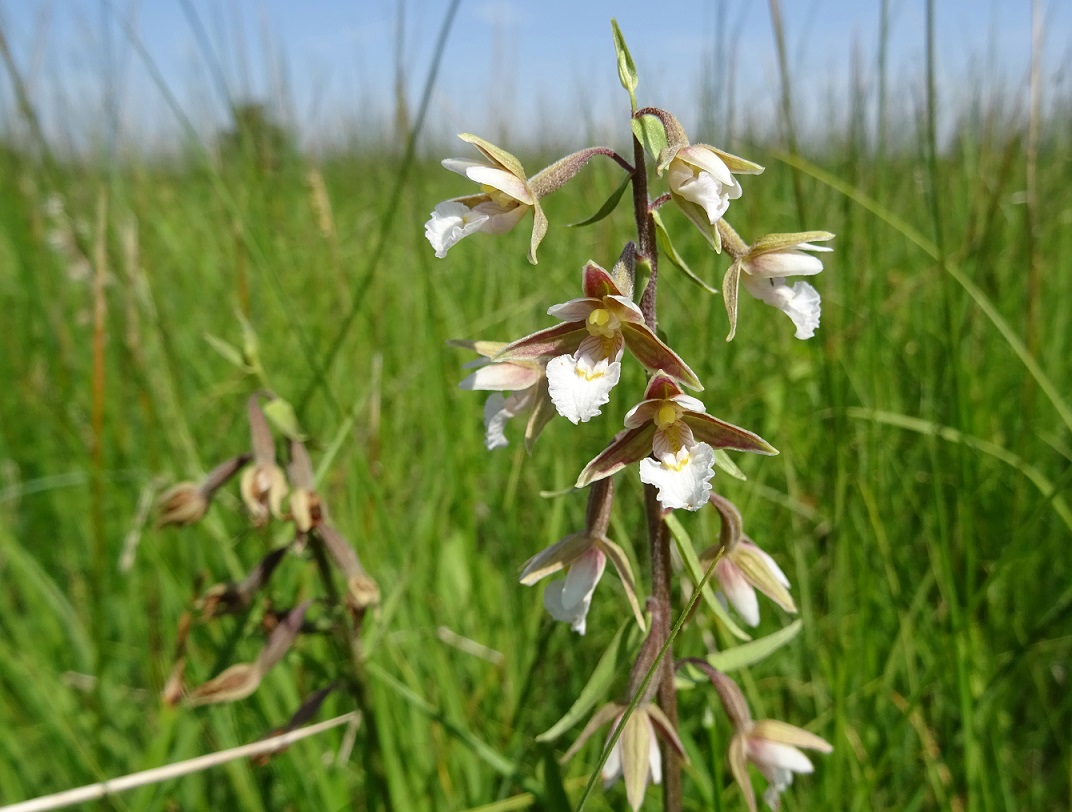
pixel 505 198
pixel 673 438
pixel 767 264
pixel 583 354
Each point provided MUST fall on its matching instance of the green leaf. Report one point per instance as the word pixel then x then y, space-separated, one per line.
pixel 726 463
pixel 282 416
pixel 741 656
pixel 626 68
pixel 608 207
pixel 649 131
pixel 228 351
pixel 663 238
pixel 696 575
pixel 615 660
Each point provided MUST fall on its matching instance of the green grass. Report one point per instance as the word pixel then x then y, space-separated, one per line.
pixel 919 504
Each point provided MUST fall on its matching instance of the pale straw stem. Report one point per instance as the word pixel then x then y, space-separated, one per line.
pixel 156 775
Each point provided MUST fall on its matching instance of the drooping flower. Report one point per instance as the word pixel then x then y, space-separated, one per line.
pixel 187 502
pixel 635 757
pixel 766 266
pixel 524 380
pixel 584 557
pixel 744 567
pixel 742 570
pixel 682 437
pixel 505 198
pixel 263 485
pixel 772 746
pixel 583 355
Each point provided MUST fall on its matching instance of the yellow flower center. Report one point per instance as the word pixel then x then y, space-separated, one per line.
pixel 499 197
pixel 668 414
pixel 601 322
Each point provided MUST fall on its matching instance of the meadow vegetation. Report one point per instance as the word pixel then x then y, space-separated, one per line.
pixel 920 503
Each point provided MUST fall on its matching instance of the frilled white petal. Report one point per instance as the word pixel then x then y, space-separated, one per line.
pixel 739 593
pixel 703 189
pixel 568 599
pixel 800 302
pixel 578 387
pixel 778 782
pixel 684 482
pixel 451 221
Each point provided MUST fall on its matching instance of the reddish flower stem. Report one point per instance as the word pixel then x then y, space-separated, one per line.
pixel 658 538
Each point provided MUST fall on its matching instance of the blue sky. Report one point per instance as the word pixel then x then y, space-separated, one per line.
pixel 512 68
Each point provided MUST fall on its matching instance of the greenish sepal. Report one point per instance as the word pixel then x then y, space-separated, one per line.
pixel 495 154
pixel 780 242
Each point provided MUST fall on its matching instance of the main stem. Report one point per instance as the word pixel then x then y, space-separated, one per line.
pixel 658 538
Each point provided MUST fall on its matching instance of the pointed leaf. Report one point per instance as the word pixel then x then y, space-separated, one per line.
pixel 696 574
pixel 282 416
pixel 228 351
pixel 614 660
pixel 755 651
pixel 608 206
pixel 741 656
pixel 668 249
